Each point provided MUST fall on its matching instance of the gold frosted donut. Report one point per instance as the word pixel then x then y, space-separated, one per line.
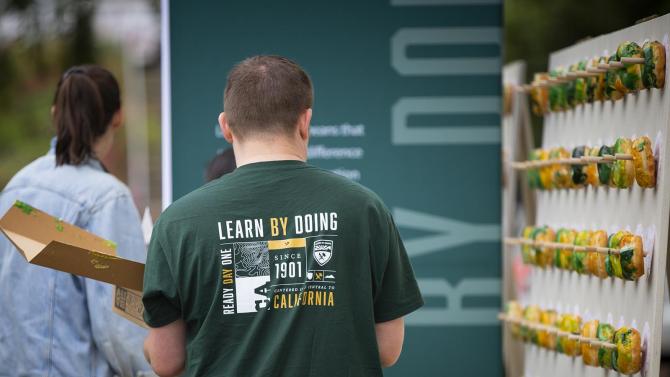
pixel 596 261
pixel 546 172
pixel 643 159
pixel 653 74
pixel 589 351
pixel 548 339
pixel 583 238
pixel 540 95
pixel 627 357
pixel 562 172
pixel 545 257
pixel 591 170
pixel 613 261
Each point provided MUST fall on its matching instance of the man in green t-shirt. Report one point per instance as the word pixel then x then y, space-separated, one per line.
pixel 278 268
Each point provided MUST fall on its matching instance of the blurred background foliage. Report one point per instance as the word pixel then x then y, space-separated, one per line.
pixel 533 29
pixel 39 39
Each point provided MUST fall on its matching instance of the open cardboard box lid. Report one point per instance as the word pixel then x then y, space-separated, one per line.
pixel 49 242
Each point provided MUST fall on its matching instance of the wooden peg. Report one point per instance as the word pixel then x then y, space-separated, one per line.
pixel 626 60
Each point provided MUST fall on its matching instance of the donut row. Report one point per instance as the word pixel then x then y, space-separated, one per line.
pixel 616 166
pixel 619 255
pixel 599 344
pixel 630 69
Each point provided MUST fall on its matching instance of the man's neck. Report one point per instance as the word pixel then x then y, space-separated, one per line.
pixel 251 151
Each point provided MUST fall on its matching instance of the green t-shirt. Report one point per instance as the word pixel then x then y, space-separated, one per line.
pixel 279 269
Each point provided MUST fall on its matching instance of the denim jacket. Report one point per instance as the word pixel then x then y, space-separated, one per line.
pixel 57 324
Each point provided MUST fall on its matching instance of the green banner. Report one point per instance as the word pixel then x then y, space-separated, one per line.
pixel 407 102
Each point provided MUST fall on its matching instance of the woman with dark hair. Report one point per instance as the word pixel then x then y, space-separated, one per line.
pixel 54 323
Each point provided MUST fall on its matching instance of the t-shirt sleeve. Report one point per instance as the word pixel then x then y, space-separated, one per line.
pixel 160 294
pixel 396 292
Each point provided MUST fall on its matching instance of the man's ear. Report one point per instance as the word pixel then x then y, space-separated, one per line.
pixel 117 119
pixel 303 124
pixel 225 129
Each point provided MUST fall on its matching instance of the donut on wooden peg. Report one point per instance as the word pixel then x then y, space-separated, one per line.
pixel 595 84
pixel 627 356
pixel 546 172
pixel 532 315
pixel 630 76
pixel 576 89
pixel 533 174
pixel 539 94
pixel 605 333
pixel 631 255
pixel 605 77
pixel 579 171
pixel 562 173
pixel 558 97
pixel 570 323
pixel 545 256
pixel 514 311
pixel 643 159
pixel 653 72
pixel 563 256
pixel 613 81
pixel 548 339
pixel 596 262
pixel 583 238
pixel 605 169
pixel 623 171
pixel 589 351
pixel 591 169
pixel 528 252
pixel 613 260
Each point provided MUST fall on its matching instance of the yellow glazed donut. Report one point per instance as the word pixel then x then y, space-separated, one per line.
pixel 531 314
pixel 623 171
pixel 563 257
pixel 645 165
pixel 545 255
pixel 583 238
pixel 627 357
pixel 596 261
pixel 514 311
pixel 562 172
pixel 597 82
pixel 528 254
pixel 572 324
pixel 546 172
pixel 540 95
pixel 590 352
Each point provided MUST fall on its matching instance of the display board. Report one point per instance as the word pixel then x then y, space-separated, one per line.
pixel 407 102
pixel 518 200
pixel 645 212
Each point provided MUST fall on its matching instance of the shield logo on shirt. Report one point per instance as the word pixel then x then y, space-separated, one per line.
pixel 323 251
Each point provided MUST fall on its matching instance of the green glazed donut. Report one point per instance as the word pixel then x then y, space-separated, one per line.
pixel 579 176
pixel 605 170
pixel 605 333
pixel 653 72
pixel 630 76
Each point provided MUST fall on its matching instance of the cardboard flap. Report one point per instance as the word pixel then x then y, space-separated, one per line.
pixel 128 304
pixel 92 264
pixel 29 248
pixel 28 222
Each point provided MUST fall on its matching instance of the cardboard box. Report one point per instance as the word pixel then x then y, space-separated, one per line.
pixel 47 241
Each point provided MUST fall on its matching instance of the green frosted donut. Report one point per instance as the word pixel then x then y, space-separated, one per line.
pixel 533 175
pixel 630 76
pixel 632 257
pixel 576 89
pixel 605 170
pixel 653 72
pixel 623 171
pixel 605 333
pixel 613 261
pixel 613 81
pixel 579 171
pixel 583 238
pixel 558 96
